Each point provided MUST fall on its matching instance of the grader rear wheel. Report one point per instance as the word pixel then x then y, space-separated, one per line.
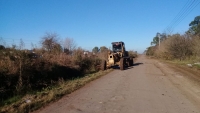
pixel 103 65
pixel 128 62
pixel 121 64
pixel 131 61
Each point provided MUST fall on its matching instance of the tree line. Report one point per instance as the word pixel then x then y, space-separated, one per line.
pixel 177 46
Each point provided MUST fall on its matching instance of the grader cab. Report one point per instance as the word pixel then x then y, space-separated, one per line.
pixel 117 57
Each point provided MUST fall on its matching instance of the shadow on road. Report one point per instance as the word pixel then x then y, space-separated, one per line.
pixel 126 68
pixel 137 64
pixel 118 68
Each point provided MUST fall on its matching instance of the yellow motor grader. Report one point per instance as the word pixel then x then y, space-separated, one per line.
pixel 117 57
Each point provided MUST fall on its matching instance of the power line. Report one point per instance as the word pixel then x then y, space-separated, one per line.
pixel 187 8
pixel 177 16
pixel 27 43
pixel 186 14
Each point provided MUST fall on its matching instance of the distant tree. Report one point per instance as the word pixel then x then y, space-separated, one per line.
pixel 150 51
pixel 2 47
pixel 50 42
pixel 103 49
pixel 156 39
pixel 95 49
pixel 179 46
pixel 2 42
pixel 132 53
pixel 194 26
pixel 163 37
pixel 57 48
pixel 69 45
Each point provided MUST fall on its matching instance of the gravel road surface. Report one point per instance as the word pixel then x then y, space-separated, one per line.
pixel 147 87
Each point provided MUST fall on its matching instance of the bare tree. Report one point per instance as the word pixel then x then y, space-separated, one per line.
pixel 2 42
pixel 21 44
pixel 69 45
pixel 95 49
pixel 50 41
pixel 179 46
pixel 196 45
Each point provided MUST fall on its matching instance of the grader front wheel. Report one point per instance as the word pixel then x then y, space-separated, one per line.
pixel 121 64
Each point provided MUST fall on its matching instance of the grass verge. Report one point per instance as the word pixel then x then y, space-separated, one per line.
pixel 184 63
pixel 36 100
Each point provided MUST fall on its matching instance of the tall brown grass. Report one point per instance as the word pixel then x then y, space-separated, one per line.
pixel 21 73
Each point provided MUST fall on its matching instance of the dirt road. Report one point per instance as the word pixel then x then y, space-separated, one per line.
pixel 147 87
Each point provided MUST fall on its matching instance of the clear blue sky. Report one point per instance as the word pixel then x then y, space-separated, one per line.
pixel 91 22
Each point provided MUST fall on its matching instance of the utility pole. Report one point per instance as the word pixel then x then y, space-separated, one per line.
pixel 159 41
pixel 158 34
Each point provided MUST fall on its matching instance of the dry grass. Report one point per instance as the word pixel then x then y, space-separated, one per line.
pixel 177 47
pixel 44 75
pixel 20 74
pixel 46 96
pixel 60 59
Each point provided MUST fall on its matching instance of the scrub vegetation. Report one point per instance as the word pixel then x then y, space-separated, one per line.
pixel 181 48
pixel 30 79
